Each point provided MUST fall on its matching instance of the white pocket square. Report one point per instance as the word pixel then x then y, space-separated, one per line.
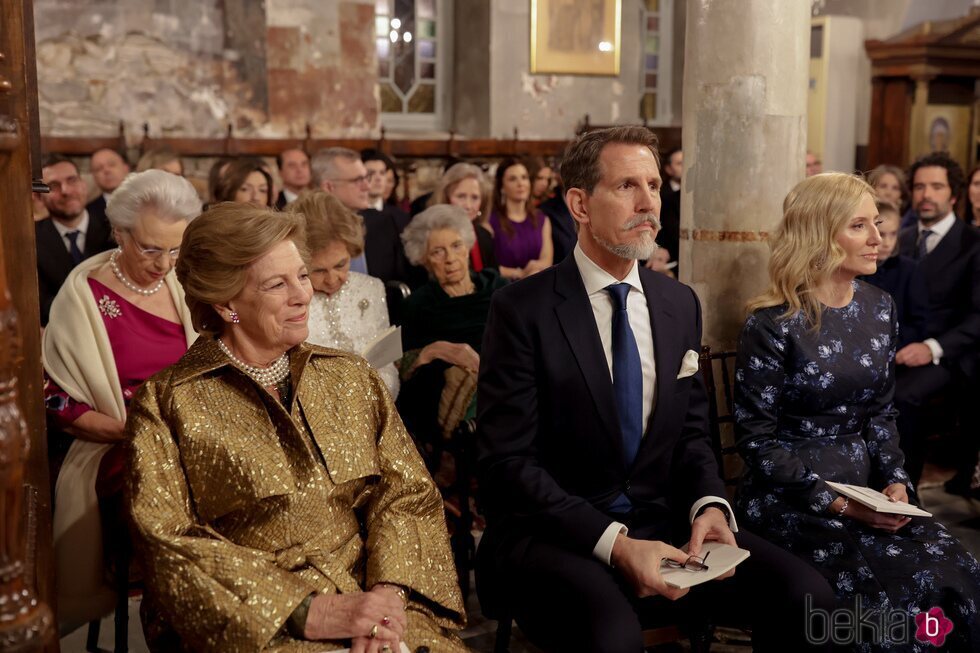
pixel 689 365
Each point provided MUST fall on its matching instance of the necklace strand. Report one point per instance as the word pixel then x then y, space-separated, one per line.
pixel 124 280
pixel 265 376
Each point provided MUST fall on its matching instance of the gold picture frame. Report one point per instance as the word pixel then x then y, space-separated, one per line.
pixel 576 37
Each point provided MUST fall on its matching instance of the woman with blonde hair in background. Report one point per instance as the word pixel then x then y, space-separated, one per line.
pixel 815 378
pixel 464 185
pixel 348 310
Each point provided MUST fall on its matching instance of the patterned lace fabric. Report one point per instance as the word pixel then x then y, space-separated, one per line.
pixel 351 319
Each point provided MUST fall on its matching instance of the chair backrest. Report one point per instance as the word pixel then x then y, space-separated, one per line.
pixel 718 371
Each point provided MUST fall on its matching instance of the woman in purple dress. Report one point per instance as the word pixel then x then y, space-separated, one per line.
pixel 521 235
pixel 119 318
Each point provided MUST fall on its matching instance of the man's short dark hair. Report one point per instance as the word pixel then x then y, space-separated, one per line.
pixel 580 164
pixel 289 149
pixel 371 154
pixel 118 153
pixel 49 160
pixel 954 173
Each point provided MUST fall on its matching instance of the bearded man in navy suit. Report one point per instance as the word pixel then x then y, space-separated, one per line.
pixel 593 444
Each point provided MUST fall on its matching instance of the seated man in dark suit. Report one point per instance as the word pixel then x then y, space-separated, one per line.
pixel 563 236
pixel 70 234
pixel 294 170
pixel 594 453
pixel 108 168
pixel 947 360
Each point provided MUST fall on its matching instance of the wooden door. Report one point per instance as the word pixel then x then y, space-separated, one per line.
pixel 26 576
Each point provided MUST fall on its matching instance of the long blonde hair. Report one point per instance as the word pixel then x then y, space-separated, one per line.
pixel 805 253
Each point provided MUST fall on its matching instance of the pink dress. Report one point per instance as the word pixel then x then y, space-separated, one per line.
pixel 142 345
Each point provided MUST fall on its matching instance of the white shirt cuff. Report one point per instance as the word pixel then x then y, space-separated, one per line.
pixel 935 348
pixel 703 501
pixel 603 548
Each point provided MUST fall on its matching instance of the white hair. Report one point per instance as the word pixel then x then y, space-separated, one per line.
pixel 173 197
pixel 415 237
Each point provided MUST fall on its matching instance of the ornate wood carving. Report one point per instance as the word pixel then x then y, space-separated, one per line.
pixel 26 621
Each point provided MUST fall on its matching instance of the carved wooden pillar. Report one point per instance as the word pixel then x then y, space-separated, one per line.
pixel 25 577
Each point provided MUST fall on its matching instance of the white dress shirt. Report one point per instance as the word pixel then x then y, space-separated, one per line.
pixel 939 231
pixel 81 228
pixel 378 204
pixel 596 281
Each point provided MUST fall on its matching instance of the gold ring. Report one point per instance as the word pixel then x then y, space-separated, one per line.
pixel 385 649
pixel 374 631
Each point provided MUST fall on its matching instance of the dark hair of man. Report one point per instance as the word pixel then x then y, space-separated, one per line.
pixel 580 164
pixel 290 149
pixel 371 154
pixel 954 173
pixel 114 151
pixel 49 160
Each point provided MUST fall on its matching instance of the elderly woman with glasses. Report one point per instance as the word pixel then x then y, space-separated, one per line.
pixel 119 318
pixel 277 500
pixel 442 322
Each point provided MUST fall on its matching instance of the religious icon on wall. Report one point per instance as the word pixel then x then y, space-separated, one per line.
pixel 575 37
pixel 949 127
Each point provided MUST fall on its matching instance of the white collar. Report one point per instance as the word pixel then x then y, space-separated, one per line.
pixel 378 204
pixel 596 279
pixel 942 227
pixel 82 225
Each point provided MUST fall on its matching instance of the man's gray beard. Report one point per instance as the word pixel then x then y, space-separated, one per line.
pixel 636 251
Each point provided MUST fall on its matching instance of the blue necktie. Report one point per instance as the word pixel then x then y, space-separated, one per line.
pixel 627 374
pixel 359 264
pixel 76 254
pixel 923 237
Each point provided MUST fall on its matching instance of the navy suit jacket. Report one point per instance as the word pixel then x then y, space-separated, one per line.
pixel 952 272
pixel 53 260
pixel 548 436
pixel 900 277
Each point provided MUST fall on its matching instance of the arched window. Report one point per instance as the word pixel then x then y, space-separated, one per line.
pixel 412 42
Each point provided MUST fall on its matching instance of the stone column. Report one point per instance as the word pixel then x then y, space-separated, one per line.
pixel 744 140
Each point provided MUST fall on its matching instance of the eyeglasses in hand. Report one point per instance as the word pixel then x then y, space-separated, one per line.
pixel 693 563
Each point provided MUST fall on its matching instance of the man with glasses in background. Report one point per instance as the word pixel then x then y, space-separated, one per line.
pixel 70 234
pixel 340 172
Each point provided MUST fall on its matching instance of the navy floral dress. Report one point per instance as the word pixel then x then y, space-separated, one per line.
pixel 817 407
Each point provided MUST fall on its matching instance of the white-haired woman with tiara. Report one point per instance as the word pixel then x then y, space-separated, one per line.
pixel 119 318
pixel 815 378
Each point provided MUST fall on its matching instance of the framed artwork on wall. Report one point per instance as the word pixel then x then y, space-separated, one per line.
pixel 575 37
pixel 949 129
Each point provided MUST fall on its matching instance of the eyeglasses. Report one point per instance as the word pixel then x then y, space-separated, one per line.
pixel 363 179
pixel 153 252
pixel 59 186
pixel 693 563
pixel 440 254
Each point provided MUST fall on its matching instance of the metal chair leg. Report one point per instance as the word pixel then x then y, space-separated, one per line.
pixel 92 638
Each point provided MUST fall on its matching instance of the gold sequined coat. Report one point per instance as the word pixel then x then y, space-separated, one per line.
pixel 242 507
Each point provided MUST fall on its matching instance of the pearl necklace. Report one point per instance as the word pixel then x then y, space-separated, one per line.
pixel 264 376
pixel 146 292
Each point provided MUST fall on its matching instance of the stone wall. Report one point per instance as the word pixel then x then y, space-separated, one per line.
pixel 191 68
pixel 550 106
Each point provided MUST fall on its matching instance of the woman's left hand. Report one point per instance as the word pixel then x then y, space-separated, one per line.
pixel 896 492
pixel 398 623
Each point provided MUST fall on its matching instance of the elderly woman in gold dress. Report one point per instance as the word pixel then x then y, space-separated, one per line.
pixel 278 502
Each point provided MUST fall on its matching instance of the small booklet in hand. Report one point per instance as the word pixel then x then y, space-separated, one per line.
pixel 716 559
pixel 877 501
pixel 386 348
